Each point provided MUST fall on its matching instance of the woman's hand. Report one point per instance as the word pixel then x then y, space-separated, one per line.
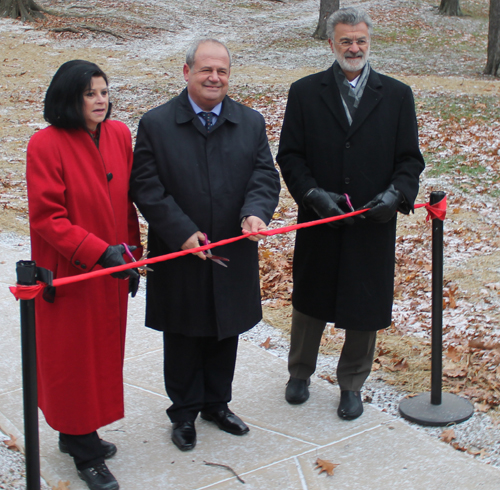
pixel 113 256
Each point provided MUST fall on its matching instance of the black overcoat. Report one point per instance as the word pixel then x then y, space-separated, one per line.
pixel 346 276
pixel 184 180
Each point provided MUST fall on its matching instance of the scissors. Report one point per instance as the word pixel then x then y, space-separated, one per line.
pixel 215 258
pixel 348 201
pixel 131 257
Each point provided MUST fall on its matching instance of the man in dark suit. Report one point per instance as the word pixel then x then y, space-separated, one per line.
pixel 349 138
pixel 203 170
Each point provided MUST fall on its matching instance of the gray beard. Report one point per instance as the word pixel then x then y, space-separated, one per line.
pixel 346 66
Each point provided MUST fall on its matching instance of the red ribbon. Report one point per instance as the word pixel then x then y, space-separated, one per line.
pixel 437 211
pixel 27 292
pixel 434 211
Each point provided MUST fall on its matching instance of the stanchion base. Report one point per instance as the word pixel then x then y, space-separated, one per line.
pixel 419 409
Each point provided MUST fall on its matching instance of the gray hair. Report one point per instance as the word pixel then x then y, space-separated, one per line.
pixel 350 16
pixel 191 52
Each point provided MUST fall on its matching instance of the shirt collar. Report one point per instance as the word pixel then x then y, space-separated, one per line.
pixel 216 110
pixel 355 81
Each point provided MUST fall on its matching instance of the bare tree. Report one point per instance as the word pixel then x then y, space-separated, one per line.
pixel 450 7
pixel 326 8
pixel 493 62
pixel 26 9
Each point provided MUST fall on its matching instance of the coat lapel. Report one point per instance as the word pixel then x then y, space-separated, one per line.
pixel 184 113
pixel 331 96
pixel 372 95
pixel 228 113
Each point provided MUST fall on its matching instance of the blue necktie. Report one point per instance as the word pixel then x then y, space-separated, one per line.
pixel 207 117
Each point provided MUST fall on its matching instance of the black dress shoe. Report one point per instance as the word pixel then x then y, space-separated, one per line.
pixel 98 477
pixel 184 435
pixel 351 406
pixel 227 421
pixel 108 447
pixel 296 390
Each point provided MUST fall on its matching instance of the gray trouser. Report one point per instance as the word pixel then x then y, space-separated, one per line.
pixel 355 361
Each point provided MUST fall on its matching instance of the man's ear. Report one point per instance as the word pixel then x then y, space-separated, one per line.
pixel 186 71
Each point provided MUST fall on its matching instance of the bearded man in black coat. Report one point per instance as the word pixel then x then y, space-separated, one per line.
pixel 349 139
pixel 203 171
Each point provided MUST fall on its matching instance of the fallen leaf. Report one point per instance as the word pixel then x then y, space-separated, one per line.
pixel 479 344
pixel 455 373
pixel 458 446
pixel 62 485
pixel 453 303
pixel 494 286
pixel 325 465
pixel 478 452
pixel 448 435
pixel 453 354
pixel 482 407
pixel 401 365
pixel 329 379
pixel 267 343
pixel 11 443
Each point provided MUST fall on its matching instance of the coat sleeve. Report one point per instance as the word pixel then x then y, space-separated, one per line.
pixel 262 192
pixel 134 234
pixel 292 149
pixel 47 206
pixel 408 160
pixel 158 207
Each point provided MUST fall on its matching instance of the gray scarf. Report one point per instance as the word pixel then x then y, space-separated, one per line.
pixel 351 96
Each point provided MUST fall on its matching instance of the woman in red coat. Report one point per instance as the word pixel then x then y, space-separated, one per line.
pixel 77 173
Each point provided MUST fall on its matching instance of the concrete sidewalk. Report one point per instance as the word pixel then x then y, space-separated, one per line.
pixel 375 451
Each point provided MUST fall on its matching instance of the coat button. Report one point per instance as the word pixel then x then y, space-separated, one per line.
pixel 348 145
pixel 83 266
pixel 347 180
pixel 77 262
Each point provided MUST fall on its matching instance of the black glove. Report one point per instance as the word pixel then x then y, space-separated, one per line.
pixel 384 206
pixel 326 204
pixel 133 284
pixel 113 256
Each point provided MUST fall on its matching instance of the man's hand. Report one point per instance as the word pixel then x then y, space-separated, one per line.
pixel 194 242
pixel 384 205
pixel 252 224
pixel 326 204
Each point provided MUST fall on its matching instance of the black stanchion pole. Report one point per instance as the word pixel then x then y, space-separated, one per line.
pixel 26 276
pixel 436 408
pixel 437 304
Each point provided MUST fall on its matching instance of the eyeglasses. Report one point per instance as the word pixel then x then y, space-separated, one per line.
pixel 347 43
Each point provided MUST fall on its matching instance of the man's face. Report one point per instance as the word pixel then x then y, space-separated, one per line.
pixel 351 47
pixel 207 81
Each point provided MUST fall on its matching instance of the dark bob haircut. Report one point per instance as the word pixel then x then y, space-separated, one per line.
pixel 64 98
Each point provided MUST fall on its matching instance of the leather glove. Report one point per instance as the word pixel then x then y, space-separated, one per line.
pixel 384 205
pixel 326 204
pixel 113 256
pixel 133 284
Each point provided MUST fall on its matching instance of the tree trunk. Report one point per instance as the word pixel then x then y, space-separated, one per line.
pixel 326 8
pixel 450 7
pixel 26 9
pixel 493 63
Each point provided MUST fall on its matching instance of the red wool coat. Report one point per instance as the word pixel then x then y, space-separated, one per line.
pixel 75 213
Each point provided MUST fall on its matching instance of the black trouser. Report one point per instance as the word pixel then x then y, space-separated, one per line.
pixel 86 449
pixel 198 374
pixel 355 361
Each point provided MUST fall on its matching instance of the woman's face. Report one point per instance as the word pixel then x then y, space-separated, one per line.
pixel 95 103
